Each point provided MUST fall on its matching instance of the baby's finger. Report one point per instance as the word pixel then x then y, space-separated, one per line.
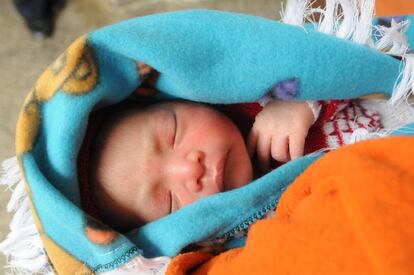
pixel 296 145
pixel 280 148
pixel 252 142
pixel 263 153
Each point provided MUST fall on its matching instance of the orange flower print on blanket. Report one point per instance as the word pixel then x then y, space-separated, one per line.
pixel 74 72
pixel 27 124
pixel 98 232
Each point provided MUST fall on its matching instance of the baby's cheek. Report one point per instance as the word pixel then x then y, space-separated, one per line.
pixel 158 207
pixel 239 171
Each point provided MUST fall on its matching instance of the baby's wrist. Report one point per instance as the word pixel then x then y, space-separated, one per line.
pixel 315 107
pixel 265 99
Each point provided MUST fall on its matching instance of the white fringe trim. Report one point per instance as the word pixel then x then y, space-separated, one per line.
pixel 348 19
pixel 363 25
pixel 405 86
pixel 142 266
pixel 352 20
pixel 22 246
pixel 393 40
pixel 327 20
pixel 296 12
pixel 363 134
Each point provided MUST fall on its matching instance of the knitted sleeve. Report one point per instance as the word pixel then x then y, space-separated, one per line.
pixel 328 109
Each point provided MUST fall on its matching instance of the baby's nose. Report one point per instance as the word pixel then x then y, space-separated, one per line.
pixel 189 170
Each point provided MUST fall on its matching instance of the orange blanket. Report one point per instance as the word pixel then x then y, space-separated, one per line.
pixel 351 212
pixel 394 7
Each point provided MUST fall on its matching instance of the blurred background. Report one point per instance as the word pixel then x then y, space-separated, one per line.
pixel 34 32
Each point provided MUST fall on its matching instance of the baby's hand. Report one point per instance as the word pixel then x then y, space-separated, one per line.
pixel 279 131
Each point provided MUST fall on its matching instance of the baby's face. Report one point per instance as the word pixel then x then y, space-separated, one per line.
pixel 165 157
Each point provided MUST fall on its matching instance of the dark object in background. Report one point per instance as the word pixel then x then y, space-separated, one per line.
pixel 39 15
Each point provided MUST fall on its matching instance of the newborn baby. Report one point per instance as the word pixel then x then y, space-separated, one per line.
pixel 151 161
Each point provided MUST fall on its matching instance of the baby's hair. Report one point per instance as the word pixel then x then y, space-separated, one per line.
pixel 105 120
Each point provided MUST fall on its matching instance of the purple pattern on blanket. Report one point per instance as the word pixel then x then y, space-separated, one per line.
pixel 286 90
pixel 397 19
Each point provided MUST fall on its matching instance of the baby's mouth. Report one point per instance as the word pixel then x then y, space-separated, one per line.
pixel 220 169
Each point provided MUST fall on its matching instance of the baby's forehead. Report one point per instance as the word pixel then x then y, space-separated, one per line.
pixel 148 113
pixel 139 120
pixel 139 125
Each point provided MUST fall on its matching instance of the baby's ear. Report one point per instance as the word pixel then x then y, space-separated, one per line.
pixel 98 232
